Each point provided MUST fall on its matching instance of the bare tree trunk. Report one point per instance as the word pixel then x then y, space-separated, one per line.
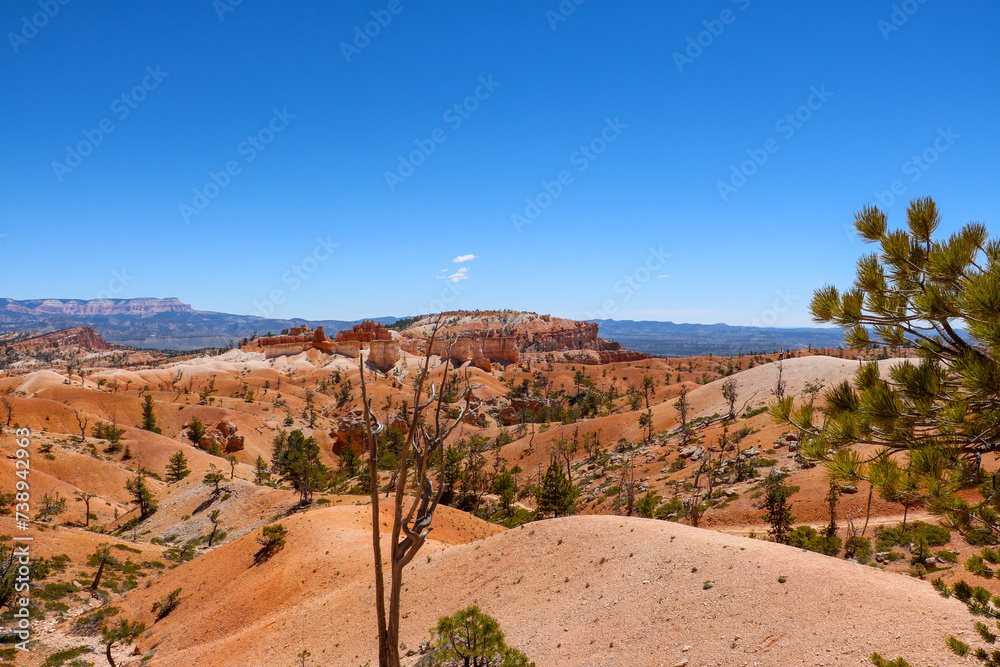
pixel 868 512
pixel 423 441
pixel 97 579
pixel 372 436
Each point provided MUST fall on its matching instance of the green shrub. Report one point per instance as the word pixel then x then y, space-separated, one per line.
pixel 879 661
pixel 976 566
pixel 805 537
pixel 62 657
pixel 936 536
pixel 860 549
pixel 947 556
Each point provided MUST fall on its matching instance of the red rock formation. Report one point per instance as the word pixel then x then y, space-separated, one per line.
pixel 223 438
pixel 383 354
pixel 613 353
pixel 84 338
pixel 349 432
pixel 476 349
pixel 365 332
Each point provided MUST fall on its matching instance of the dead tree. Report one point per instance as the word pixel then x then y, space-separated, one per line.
pixel 81 421
pixel 424 441
pixel 85 497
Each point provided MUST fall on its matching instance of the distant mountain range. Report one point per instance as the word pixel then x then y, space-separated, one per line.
pixel 146 322
pixel 171 324
pixel 687 340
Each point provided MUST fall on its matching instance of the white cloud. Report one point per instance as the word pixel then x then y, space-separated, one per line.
pixel 463 258
pixel 663 275
pixel 459 275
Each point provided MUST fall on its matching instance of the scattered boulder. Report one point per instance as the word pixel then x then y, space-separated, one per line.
pixel 224 438
pixel 349 432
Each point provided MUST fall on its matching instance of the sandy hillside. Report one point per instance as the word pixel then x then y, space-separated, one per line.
pixel 579 591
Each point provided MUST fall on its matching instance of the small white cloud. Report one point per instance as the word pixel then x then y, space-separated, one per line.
pixel 459 275
pixel 663 275
pixel 463 258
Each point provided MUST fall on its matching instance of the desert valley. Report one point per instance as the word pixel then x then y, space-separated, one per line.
pixel 661 555
pixel 555 333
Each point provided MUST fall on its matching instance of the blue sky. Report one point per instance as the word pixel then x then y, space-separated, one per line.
pixel 693 162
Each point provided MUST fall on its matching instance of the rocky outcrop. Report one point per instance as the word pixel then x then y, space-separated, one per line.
pixel 613 353
pixel 479 350
pixel 222 439
pixel 501 336
pixel 301 339
pixel 581 336
pixel 349 433
pixel 366 332
pixel 383 354
pixel 84 338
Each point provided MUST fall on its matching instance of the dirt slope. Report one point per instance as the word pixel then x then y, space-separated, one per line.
pixel 579 591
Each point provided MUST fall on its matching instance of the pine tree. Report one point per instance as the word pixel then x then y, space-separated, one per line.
pixel 470 637
pixel 177 468
pixel 261 475
pixel 214 478
pixel 148 416
pixel 777 509
pixel 195 431
pixel 123 631
pixel 556 495
pixel 142 495
pixel 939 299
pixel 299 463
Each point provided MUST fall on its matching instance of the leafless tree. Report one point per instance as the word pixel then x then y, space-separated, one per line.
pixel 85 497
pixel 730 393
pixel 81 421
pixel 8 405
pixel 424 441
pixel 779 385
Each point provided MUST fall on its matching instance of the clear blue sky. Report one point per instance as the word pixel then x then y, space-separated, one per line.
pixel 310 128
